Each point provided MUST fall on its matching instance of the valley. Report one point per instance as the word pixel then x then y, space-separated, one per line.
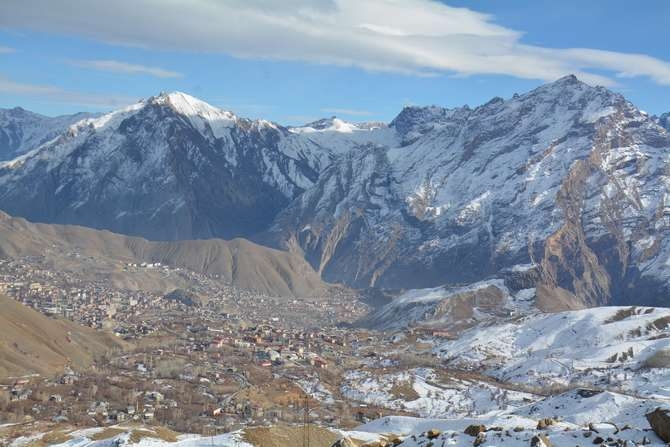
pixel 190 353
pixel 174 274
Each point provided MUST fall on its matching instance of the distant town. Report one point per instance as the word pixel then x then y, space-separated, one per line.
pixel 209 359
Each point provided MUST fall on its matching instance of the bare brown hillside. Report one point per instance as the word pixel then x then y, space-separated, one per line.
pixel 33 343
pixel 242 263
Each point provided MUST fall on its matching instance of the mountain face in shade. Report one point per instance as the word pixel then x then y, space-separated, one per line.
pixel 170 167
pixel 664 121
pixel 569 179
pixel 21 130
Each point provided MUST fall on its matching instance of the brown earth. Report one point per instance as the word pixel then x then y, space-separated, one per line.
pixel 33 343
pixel 239 262
pixel 289 436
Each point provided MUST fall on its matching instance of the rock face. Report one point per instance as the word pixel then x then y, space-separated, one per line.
pixel 664 120
pixel 569 179
pixel 21 130
pixel 659 420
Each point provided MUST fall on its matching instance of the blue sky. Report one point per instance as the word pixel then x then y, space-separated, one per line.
pixel 299 60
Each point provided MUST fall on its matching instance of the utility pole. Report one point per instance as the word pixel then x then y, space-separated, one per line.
pixel 305 434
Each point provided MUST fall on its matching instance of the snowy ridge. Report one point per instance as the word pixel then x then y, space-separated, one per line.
pixel 330 125
pixel 435 197
pixel 454 308
pixel 625 348
pixel 168 167
pixel 22 131
pixel 82 438
pixel 202 115
pixel 435 398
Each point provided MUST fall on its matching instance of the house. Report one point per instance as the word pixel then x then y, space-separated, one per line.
pixel 273 355
pixel 273 413
pixel 20 395
pixel 155 396
pixel 68 379
pixel 444 334
pixel 20 384
pixel 318 362
pixel 100 408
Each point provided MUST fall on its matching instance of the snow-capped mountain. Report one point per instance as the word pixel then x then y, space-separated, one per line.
pixel 568 178
pixel 21 130
pixel 169 167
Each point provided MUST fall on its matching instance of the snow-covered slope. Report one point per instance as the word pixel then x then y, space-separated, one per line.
pixel 623 348
pixel 579 417
pixel 452 308
pixel 570 177
pixel 573 413
pixel 169 167
pixel 119 436
pixel 431 396
pixel 21 130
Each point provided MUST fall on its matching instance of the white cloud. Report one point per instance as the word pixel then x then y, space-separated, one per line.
pixel 59 95
pixel 126 68
pixel 351 112
pixel 420 37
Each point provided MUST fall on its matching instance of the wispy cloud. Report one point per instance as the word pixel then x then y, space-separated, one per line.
pixel 350 112
pixel 415 37
pixel 6 50
pixel 125 68
pixel 59 95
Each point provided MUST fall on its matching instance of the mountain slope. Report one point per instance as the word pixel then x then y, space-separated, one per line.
pixel 625 348
pixel 33 343
pixel 570 177
pixel 21 130
pixel 664 120
pixel 170 167
pixel 239 262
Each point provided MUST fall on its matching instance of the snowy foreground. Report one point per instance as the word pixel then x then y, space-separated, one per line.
pixel 577 418
pixel 87 438
pixel 626 349
pixel 578 378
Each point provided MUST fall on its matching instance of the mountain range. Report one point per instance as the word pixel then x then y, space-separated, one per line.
pixel 22 130
pixel 568 184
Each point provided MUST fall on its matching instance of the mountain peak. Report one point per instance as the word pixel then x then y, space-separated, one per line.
pixel 188 105
pixel 334 124
pixel 664 121
pixel 568 79
pixel 569 83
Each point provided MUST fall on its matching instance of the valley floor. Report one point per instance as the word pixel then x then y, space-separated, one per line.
pixel 236 369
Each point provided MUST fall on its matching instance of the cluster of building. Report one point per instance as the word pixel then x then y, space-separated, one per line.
pixel 210 357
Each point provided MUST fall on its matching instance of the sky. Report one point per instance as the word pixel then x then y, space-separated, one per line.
pixel 295 61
